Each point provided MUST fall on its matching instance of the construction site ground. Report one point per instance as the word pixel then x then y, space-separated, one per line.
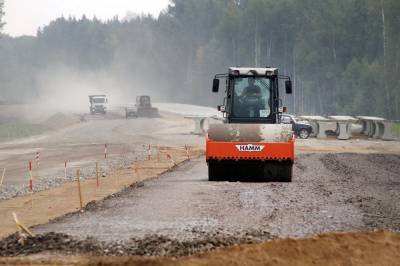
pixel 338 186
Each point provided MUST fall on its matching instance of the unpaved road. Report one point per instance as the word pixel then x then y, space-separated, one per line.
pixel 330 192
pixel 82 144
pixel 337 186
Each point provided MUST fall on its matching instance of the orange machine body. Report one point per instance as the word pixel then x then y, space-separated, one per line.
pixel 260 151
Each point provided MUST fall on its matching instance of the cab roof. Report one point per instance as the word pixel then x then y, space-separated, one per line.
pixel 254 70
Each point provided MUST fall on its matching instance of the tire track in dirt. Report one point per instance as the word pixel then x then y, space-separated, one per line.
pixel 373 185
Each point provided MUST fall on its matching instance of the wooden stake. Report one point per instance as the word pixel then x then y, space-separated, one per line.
pixel 22 227
pixel 78 179
pixel 2 177
pixel 171 159
pixel 97 174
pixel 187 152
pixel 65 170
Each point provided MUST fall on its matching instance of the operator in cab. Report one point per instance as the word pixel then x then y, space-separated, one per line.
pixel 251 102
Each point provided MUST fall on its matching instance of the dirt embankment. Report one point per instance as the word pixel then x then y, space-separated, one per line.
pixel 374 248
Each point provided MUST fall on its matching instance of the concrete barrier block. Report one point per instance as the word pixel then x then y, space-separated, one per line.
pixel 387 128
pixel 324 126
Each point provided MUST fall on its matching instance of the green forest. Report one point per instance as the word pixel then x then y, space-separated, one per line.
pixel 343 55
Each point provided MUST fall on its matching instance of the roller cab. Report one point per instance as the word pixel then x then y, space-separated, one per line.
pixel 251 144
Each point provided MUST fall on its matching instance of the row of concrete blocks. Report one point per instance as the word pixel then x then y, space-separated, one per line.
pixel 345 126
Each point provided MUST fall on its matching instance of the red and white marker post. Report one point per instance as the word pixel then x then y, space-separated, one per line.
pixel 30 177
pixel 31 182
pixel 149 153
pixel 37 158
pixel 105 157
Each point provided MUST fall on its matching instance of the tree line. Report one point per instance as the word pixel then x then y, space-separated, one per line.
pixel 343 55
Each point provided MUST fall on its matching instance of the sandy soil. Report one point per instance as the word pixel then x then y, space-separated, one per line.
pixel 374 248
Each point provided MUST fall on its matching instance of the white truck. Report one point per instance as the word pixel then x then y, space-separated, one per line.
pixel 98 104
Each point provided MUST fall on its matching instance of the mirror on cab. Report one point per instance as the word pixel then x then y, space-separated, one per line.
pixel 221 108
pixel 288 86
pixel 215 86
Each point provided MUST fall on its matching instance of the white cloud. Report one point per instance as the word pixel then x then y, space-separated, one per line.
pixel 23 17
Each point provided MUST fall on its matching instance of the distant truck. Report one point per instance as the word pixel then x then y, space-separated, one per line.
pixel 98 104
pixel 142 108
pixel 131 110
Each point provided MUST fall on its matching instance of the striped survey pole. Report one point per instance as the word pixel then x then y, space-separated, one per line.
pixel 37 158
pixel 149 153
pixel 31 182
pixel 105 158
pixel 30 177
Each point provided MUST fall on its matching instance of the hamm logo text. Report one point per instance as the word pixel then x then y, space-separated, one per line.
pixel 250 147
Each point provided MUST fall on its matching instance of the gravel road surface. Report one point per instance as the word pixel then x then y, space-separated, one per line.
pixel 330 192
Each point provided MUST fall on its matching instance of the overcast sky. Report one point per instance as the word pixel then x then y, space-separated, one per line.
pixel 23 17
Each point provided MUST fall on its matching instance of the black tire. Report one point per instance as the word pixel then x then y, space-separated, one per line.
pixel 304 133
pixel 215 172
pixel 278 171
pixel 286 174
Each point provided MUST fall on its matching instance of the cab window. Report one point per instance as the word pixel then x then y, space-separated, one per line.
pixel 251 97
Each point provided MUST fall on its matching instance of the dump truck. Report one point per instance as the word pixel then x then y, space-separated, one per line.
pixel 252 143
pixel 144 107
pixel 98 104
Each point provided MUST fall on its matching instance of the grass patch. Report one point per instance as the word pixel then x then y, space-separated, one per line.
pixel 19 129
